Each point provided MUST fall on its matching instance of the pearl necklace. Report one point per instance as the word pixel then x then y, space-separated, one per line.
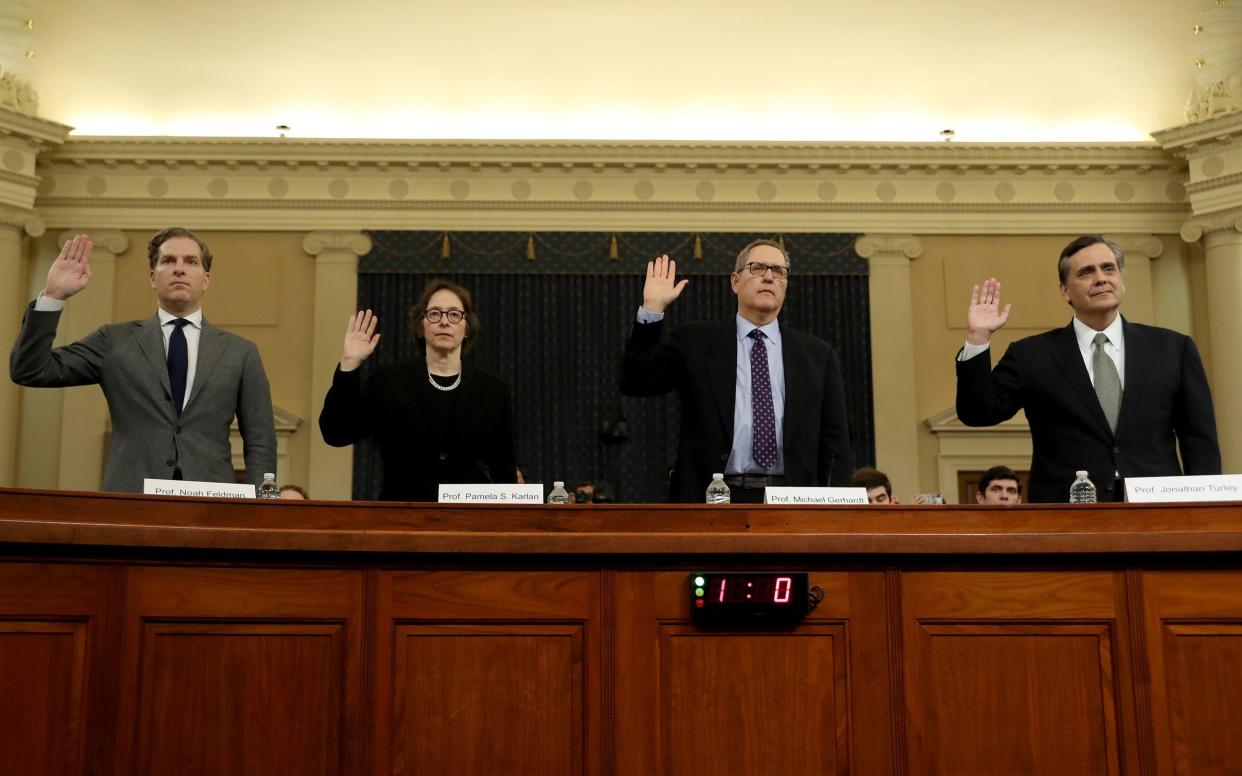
pixel 439 387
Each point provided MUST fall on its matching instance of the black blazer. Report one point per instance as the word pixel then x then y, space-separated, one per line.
pixel 699 361
pixel 392 406
pixel 1166 404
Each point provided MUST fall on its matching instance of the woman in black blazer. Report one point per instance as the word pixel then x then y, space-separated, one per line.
pixel 435 419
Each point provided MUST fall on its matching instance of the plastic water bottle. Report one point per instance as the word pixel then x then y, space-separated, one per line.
pixel 1082 491
pixel 718 492
pixel 269 488
pixel 558 495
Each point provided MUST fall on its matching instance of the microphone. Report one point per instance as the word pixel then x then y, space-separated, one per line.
pixel 486 472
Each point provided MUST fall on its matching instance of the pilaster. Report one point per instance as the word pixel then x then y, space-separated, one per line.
pixel 1139 250
pixel 894 384
pixel 336 295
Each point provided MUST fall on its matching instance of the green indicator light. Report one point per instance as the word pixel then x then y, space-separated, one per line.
pixel 699 581
pixel 698 591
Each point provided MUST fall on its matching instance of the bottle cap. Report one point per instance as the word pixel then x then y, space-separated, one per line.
pixel 718 476
pixel 558 484
pixel 1080 473
pixel 269 475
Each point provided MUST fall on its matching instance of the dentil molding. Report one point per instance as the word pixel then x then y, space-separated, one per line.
pixel 285 183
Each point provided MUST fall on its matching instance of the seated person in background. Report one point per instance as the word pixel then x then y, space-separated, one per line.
pixel 519 474
pixel 293 492
pixel 879 489
pixel 1000 486
pixel 435 419
pixel 584 493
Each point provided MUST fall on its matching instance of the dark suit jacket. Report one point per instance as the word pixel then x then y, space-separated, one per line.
pixel 1166 404
pixel 128 362
pixel 392 406
pixel 699 361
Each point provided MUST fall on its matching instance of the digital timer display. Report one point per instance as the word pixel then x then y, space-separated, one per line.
pixel 749 593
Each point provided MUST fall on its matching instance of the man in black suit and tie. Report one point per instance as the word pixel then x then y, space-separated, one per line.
pixel 760 402
pixel 173 382
pixel 1115 398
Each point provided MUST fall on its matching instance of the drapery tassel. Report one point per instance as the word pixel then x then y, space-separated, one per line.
pixel 698 247
pixel 530 247
pixel 780 240
pixel 446 247
pixel 612 249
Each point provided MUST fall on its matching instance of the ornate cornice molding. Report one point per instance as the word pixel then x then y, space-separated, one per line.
pixel 330 241
pixel 32 129
pixel 875 245
pixel 308 184
pixel 1205 135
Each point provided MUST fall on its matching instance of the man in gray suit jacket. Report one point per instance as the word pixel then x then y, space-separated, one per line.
pixel 173 381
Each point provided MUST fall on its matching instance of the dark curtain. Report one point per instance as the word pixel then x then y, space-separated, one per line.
pixel 556 309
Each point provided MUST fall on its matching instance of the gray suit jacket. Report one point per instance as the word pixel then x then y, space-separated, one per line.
pixel 128 362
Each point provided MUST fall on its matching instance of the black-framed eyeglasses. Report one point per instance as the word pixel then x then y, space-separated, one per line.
pixel 757 268
pixel 454 315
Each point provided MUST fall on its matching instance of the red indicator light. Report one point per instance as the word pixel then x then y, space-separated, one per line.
pixel 699 603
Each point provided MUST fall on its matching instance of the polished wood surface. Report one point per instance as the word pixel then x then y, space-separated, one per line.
pixel 142 635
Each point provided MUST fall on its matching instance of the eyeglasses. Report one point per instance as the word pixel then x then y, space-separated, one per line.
pixel 757 268
pixel 435 314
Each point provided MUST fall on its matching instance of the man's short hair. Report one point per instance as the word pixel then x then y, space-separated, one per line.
pixel 295 489
pixel 1086 241
pixel 745 253
pixel 999 473
pixel 153 246
pixel 473 327
pixel 869 478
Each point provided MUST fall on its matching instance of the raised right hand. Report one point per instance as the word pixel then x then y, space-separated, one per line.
pixel 660 290
pixel 985 314
pixel 71 271
pixel 360 340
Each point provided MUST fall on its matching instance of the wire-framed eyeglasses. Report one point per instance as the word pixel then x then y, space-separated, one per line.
pixel 434 314
pixel 757 268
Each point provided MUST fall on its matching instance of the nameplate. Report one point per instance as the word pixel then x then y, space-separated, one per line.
pixel 1203 487
pixel 487 493
pixel 820 496
pixel 193 488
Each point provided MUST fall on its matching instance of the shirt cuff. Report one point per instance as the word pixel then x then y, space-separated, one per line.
pixel 969 351
pixel 646 316
pixel 46 304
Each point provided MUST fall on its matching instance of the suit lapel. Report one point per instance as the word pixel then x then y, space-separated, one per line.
pixel 797 382
pixel 1069 358
pixel 151 343
pixel 1135 341
pixel 210 346
pixel 722 366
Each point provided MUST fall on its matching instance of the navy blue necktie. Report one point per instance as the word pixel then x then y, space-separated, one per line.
pixel 763 419
pixel 178 362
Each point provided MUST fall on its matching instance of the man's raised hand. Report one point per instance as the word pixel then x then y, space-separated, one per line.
pixel 71 271
pixel 660 290
pixel 985 314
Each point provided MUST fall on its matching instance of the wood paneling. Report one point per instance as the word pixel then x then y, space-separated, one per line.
pixel 1000 665
pixel 241 671
pixel 491 673
pixel 1193 622
pixel 49 666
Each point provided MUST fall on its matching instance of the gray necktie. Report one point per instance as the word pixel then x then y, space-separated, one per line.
pixel 1107 382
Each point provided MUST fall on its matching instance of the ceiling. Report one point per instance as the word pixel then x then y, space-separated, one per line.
pixel 991 70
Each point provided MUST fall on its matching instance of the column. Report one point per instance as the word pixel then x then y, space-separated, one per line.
pixel 84 412
pixel 12 293
pixel 892 356
pixel 1222 242
pixel 336 297
pixel 1139 250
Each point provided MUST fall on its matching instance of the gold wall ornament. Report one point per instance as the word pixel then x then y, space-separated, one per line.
pixel 530 247
pixel 698 247
pixel 446 247
pixel 613 254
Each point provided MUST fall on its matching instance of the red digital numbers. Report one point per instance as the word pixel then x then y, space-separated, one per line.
pixel 780 594
pixel 723 581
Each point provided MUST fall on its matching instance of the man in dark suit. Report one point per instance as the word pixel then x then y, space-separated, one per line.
pixel 173 381
pixel 761 403
pixel 1115 398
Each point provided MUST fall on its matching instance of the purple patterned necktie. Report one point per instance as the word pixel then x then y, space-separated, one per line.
pixel 763 419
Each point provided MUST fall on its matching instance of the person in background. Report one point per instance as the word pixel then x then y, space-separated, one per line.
pixel 293 493
pixel 879 488
pixel 1000 486
pixel 436 419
